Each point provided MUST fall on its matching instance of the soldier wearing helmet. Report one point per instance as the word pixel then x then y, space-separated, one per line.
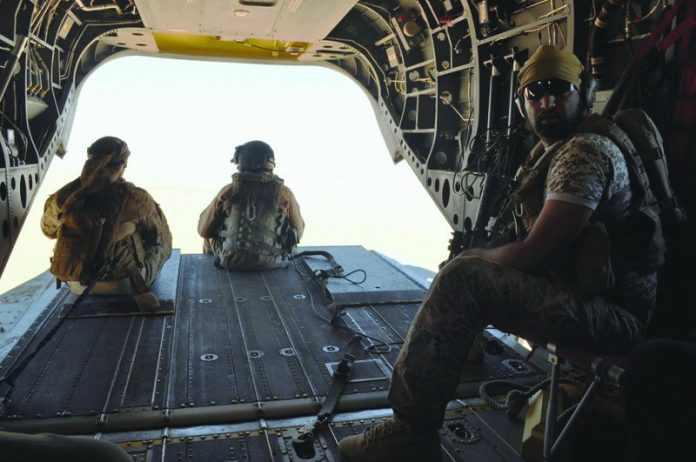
pixel 554 283
pixel 254 222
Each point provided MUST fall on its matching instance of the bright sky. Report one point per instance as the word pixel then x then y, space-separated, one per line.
pixel 182 119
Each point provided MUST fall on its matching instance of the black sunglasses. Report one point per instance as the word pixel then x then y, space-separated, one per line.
pixel 556 87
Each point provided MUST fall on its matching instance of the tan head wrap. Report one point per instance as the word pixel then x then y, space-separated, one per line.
pixel 549 62
pixel 111 146
pixel 105 159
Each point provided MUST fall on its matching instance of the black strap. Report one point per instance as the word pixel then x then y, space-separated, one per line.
pixel 340 378
pixel 8 380
pixel 336 269
pixel 303 443
pixel 321 278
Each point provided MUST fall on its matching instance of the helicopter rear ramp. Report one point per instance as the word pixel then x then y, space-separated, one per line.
pixel 234 362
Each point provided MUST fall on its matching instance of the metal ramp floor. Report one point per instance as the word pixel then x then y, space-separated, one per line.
pixel 234 363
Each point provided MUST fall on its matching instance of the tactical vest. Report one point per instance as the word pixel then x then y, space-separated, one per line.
pixel 635 242
pixel 253 222
pixel 85 240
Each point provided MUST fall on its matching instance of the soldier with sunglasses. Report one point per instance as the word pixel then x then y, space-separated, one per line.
pixel 554 283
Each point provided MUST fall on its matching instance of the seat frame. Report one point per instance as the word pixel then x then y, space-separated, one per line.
pixel 605 369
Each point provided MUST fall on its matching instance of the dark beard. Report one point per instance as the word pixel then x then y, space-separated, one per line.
pixel 553 126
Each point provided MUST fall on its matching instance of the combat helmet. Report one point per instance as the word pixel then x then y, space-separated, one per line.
pixel 254 156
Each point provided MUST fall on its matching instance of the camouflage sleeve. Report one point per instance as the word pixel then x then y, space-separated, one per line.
pixel 294 214
pixel 585 171
pixel 212 216
pixel 154 230
pixel 49 219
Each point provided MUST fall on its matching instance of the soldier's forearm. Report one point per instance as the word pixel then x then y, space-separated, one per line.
pixel 208 222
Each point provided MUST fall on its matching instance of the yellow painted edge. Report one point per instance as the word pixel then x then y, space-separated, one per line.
pixel 208 45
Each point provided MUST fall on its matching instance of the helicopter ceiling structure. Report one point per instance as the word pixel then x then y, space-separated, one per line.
pixel 440 74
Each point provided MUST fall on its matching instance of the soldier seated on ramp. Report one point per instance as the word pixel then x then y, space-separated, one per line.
pixel 253 223
pixel 112 237
pixel 553 284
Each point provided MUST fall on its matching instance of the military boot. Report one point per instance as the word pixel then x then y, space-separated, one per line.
pixel 389 441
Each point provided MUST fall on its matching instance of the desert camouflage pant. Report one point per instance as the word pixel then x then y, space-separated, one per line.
pixel 132 253
pixel 470 293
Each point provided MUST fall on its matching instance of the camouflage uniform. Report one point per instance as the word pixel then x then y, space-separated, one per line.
pixel 143 239
pixel 215 225
pixel 471 292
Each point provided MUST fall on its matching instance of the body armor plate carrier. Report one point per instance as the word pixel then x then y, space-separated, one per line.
pixel 253 223
pixel 633 243
pixel 86 235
